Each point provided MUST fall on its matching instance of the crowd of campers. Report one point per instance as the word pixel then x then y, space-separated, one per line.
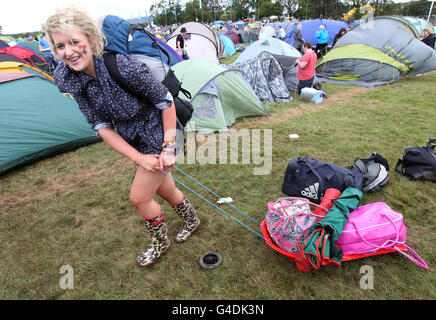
pixel 265 70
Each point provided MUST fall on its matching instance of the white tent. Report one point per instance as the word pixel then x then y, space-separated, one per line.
pixel 200 41
pixel 266 32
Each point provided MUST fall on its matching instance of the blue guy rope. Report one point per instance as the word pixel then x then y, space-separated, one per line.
pixel 175 179
pixel 217 195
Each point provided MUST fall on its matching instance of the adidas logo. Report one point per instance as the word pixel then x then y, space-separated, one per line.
pixel 311 191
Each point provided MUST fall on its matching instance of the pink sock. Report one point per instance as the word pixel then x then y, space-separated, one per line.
pixel 154 217
pixel 180 202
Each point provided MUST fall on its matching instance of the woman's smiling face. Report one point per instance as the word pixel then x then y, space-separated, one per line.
pixel 75 50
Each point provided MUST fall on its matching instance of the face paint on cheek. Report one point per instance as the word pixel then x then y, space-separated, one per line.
pixel 83 47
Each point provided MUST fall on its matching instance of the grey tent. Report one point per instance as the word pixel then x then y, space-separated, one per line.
pixel 265 76
pixel 254 34
pixel 377 52
pixel 271 45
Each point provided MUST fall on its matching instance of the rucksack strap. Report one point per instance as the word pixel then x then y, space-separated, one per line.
pixel 379 159
pixel 430 141
pixel 110 61
pixel 398 164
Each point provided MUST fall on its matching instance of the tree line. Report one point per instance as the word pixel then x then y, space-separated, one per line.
pixel 168 12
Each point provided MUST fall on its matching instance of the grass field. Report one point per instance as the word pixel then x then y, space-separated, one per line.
pixel 74 210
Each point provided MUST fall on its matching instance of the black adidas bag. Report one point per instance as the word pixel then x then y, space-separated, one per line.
pixel 419 163
pixel 309 178
pixel 184 108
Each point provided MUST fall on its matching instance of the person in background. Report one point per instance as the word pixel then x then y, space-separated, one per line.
pixel 282 33
pixel 306 67
pixel 322 37
pixel 339 35
pixel 142 130
pixel 44 47
pixel 180 44
pixel 298 38
pixel 429 38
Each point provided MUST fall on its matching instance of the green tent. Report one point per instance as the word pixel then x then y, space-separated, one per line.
pixel 37 121
pixel 32 45
pixel 219 96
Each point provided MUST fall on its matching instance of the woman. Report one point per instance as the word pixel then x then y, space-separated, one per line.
pixel 322 37
pixel 429 38
pixel 145 130
pixel 341 32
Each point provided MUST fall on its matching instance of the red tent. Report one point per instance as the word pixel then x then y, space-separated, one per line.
pixel 233 36
pixel 27 56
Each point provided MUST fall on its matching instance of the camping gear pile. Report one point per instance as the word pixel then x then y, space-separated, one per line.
pixel 337 230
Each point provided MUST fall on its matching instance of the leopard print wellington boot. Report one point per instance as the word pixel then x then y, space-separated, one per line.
pixel 159 241
pixel 192 222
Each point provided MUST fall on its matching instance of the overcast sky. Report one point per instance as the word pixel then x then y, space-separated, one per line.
pixel 18 16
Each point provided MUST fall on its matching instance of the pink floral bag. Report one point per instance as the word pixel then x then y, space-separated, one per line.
pixel 289 221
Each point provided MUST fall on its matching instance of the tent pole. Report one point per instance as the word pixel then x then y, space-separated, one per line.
pixel 429 13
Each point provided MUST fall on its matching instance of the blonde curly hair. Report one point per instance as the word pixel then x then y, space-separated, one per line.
pixel 428 29
pixel 71 16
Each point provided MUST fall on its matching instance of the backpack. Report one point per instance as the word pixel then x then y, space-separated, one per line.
pixel 310 178
pixel 375 172
pixel 139 44
pixel 419 163
pixel 122 37
pixel 184 108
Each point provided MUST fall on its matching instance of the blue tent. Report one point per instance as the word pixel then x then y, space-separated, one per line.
pixel 3 44
pixel 287 26
pixel 310 27
pixel 117 31
pixel 229 46
pixel 219 23
pixel 238 24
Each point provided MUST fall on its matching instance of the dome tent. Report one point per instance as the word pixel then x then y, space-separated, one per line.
pixel 265 76
pixel 36 120
pixel 229 46
pixel 3 44
pixel 378 54
pixel 271 45
pixel 219 96
pixel 310 27
pixel 287 26
pixel 266 32
pixel 9 63
pixel 232 35
pixel 202 41
pixel 27 56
